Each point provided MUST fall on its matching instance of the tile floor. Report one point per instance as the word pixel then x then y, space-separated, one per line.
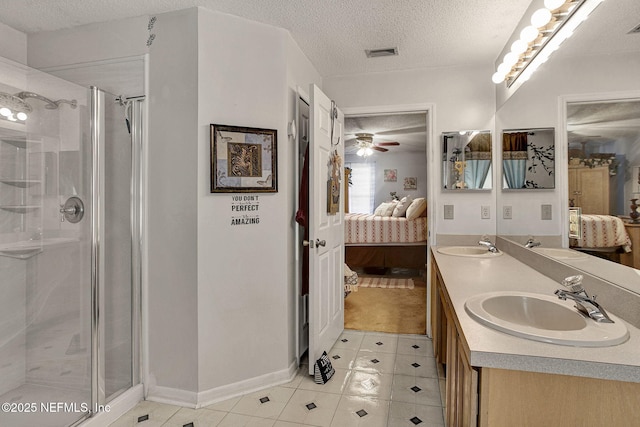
pixel 380 380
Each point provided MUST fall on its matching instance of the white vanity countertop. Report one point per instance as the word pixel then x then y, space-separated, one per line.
pixel 467 276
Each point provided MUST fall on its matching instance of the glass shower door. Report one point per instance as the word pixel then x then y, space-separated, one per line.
pixel 69 250
pixel 45 316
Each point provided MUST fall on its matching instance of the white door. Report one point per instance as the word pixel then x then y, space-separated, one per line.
pixel 326 232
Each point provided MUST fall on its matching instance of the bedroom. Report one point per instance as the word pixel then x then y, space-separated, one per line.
pixel 386 222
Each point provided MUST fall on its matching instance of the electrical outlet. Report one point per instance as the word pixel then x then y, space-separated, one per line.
pixel 485 212
pixel 545 213
pixel 448 211
pixel 507 212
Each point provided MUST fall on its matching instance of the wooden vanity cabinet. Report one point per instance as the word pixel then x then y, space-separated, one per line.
pixel 492 397
pixel 450 348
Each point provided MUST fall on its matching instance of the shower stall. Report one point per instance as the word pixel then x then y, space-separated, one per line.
pixel 70 236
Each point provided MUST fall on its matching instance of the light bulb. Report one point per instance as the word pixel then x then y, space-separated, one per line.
pixel 4 111
pixel 541 17
pixel 519 46
pixel 510 59
pixel 529 34
pixel 503 69
pixel 553 4
pixel 21 116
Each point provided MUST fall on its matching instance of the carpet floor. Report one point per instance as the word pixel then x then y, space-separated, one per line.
pixel 398 311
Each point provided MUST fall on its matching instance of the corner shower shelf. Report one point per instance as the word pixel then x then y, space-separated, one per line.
pixel 22 183
pixel 22 209
pixel 29 248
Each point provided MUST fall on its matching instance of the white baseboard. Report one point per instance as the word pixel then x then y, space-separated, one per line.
pixel 117 408
pixel 205 398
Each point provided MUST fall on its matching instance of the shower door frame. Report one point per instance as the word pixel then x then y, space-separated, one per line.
pixel 98 359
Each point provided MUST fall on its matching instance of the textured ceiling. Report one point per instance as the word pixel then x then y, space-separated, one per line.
pixel 332 33
pixel 335 33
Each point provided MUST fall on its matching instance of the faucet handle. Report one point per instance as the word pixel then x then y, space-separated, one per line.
pixel 574 283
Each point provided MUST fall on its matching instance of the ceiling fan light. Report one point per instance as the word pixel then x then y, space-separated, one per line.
pixel 368 151
pixel 360 152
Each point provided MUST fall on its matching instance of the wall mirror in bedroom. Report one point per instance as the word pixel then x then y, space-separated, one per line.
pixel 466 160
pixel 528 159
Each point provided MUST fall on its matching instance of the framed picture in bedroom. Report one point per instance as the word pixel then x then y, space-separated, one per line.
pixel 411 183
pixel 390 175
pixel 243 160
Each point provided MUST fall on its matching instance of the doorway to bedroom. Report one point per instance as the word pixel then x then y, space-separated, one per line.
pixel 386 229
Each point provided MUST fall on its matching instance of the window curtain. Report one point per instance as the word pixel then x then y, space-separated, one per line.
pixel 362 191
pixel 478 160
pixel 514 158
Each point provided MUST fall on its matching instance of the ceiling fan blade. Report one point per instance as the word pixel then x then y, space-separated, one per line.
pixel 386 144
pixel 375 147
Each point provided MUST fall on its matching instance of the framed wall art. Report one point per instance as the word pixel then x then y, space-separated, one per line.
pixel 243 160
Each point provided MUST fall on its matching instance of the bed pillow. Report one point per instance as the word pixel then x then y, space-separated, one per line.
pixel 385 209
pixel 417 208
pixel 402 206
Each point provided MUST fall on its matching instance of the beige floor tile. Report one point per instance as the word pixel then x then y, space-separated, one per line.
pixel 311 407
pixel 354 411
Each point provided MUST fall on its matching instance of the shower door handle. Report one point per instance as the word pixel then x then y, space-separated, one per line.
pixel 72 210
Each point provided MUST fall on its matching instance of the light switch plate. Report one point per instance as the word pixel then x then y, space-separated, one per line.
pixel 485 212
pixel 545 213
pixel 448 211
pixel 507 212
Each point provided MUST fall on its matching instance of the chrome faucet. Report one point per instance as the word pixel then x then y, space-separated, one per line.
pixel 584 303
pixel 531 243
pixel 490 246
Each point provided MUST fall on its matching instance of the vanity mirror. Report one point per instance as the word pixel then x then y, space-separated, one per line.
pixel 577 92
pixel 528 159
pixel 466 160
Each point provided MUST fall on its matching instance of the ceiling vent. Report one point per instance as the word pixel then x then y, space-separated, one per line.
pixel 635 30
pixel 375 53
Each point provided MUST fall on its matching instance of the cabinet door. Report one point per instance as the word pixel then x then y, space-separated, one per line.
pixel 594 189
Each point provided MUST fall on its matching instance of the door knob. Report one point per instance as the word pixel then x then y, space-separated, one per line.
pixel 320 242
pixel 307 243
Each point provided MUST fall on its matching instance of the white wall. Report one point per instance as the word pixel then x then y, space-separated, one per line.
pixel 13 44
pixel 243 300
pixel 463 98
pixel 537 103
pixel 173 203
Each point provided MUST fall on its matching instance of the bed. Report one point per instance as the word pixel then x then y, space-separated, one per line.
pixel 602 233
pixel 385 241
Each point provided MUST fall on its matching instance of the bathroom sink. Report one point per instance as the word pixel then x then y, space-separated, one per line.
pixel 561 253
pixel 543 318
pixel 470 251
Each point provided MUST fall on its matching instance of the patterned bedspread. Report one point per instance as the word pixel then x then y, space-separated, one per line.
pixel 604 231
pixel 369 229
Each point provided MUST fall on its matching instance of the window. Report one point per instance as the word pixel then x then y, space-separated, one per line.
pixel 362 190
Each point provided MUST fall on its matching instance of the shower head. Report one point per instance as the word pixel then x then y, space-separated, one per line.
pixel 13 107
pixel 51 105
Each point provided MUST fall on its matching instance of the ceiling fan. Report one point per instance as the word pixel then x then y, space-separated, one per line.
pixel 365 144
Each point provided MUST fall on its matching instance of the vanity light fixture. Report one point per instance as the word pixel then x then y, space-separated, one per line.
pixel 550 26
pixel 13 108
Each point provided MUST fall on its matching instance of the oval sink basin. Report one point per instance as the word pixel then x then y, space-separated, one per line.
pixel 543 318
pixel 561 253
pixel 470 251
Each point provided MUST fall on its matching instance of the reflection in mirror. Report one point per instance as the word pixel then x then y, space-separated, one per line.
pixel 528 158
pixel 603 153
pixel 466 160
